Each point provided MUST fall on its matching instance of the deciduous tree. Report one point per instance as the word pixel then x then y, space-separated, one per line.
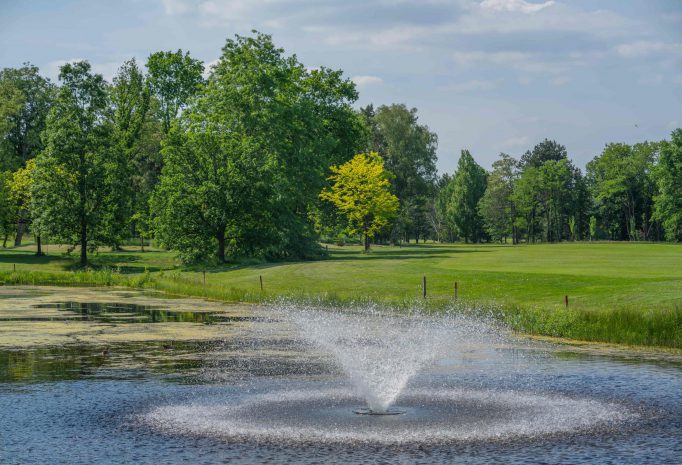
pixel 25 99
pixel 361 190
pixel 469 185
pixel 73 175
pixel 247 159
pixel 668 176
pixel 409 152
pixel 174 77
pixel 497 204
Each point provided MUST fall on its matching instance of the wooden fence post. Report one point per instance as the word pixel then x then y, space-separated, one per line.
pixel 566 300
pixel 261 282
pixel 455 291
pixel 424 286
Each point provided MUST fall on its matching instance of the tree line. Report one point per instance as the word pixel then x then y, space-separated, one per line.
pixel 628 192
pixel 257 157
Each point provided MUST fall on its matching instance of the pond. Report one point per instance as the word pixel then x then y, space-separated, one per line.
pixel 117 376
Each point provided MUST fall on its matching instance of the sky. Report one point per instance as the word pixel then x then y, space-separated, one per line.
pixel 489 76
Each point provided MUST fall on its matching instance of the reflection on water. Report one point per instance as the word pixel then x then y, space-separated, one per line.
pixel 73 362
pixel 126 313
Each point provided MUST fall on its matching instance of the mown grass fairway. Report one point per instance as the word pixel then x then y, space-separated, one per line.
pixel 618 292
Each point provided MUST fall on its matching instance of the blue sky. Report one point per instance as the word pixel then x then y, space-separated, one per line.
pixel 486 75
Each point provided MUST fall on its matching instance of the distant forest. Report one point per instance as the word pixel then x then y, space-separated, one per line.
pixel 250 160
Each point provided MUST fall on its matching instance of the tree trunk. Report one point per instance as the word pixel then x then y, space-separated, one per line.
pixel 39 251
pixel 4 242
pixel 21 226
pixel 82 197
pixel 366 242
pixel 84 243
pixel 220 235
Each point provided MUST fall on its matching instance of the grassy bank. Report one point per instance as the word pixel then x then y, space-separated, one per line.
pixel 618 292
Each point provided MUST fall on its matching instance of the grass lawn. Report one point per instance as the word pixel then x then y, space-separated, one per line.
pixel 618 292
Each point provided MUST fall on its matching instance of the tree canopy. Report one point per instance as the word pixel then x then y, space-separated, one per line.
pixel 76 171
pixel 263 157
pixel 361 191
pixel 668 176
pixel 246 160
pixel 468 187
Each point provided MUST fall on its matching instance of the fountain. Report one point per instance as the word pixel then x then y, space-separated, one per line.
pixel 380 351
pixel 382 354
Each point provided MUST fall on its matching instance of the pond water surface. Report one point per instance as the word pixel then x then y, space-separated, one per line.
pixel 261 396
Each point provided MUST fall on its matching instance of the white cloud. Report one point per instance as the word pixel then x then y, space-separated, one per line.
pixel 561 18
pixel 472 85
pixel 646 47
pixel 497 58
pixel 176 7
pixel 228 9
pixel 519 61
pixel 394 38
pixel 515 142
pixel 361 81
pixel 516 6
pixel 208 67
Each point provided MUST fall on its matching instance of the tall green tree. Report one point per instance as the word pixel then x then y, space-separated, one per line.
pixel 73 175
pixel 544 151
pixel 247 159
pixel 668 176
pixel 11 102
pixel 468 187
pixel 25 99
pixel 528 201
pixel 622 186
pixel 497 205
pixel 409 152
pixel 128 196
pixel 21 185
pixel 550 195
pixel 555 178
pixel 174 78
pixel 25 103
pixel 441 207
pixel 8 207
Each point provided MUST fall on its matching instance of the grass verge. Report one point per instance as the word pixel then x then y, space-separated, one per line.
pixel 619 292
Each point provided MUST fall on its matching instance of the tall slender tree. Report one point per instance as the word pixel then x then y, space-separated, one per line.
pixel 668 176
pixel 25 100
pixel 74 174
pixel 469 185
pixel 497 204
pixel 409 152
pixel 130 101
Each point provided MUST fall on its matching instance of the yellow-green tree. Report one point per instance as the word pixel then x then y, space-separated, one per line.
pixel 22 180
pixel 360 190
